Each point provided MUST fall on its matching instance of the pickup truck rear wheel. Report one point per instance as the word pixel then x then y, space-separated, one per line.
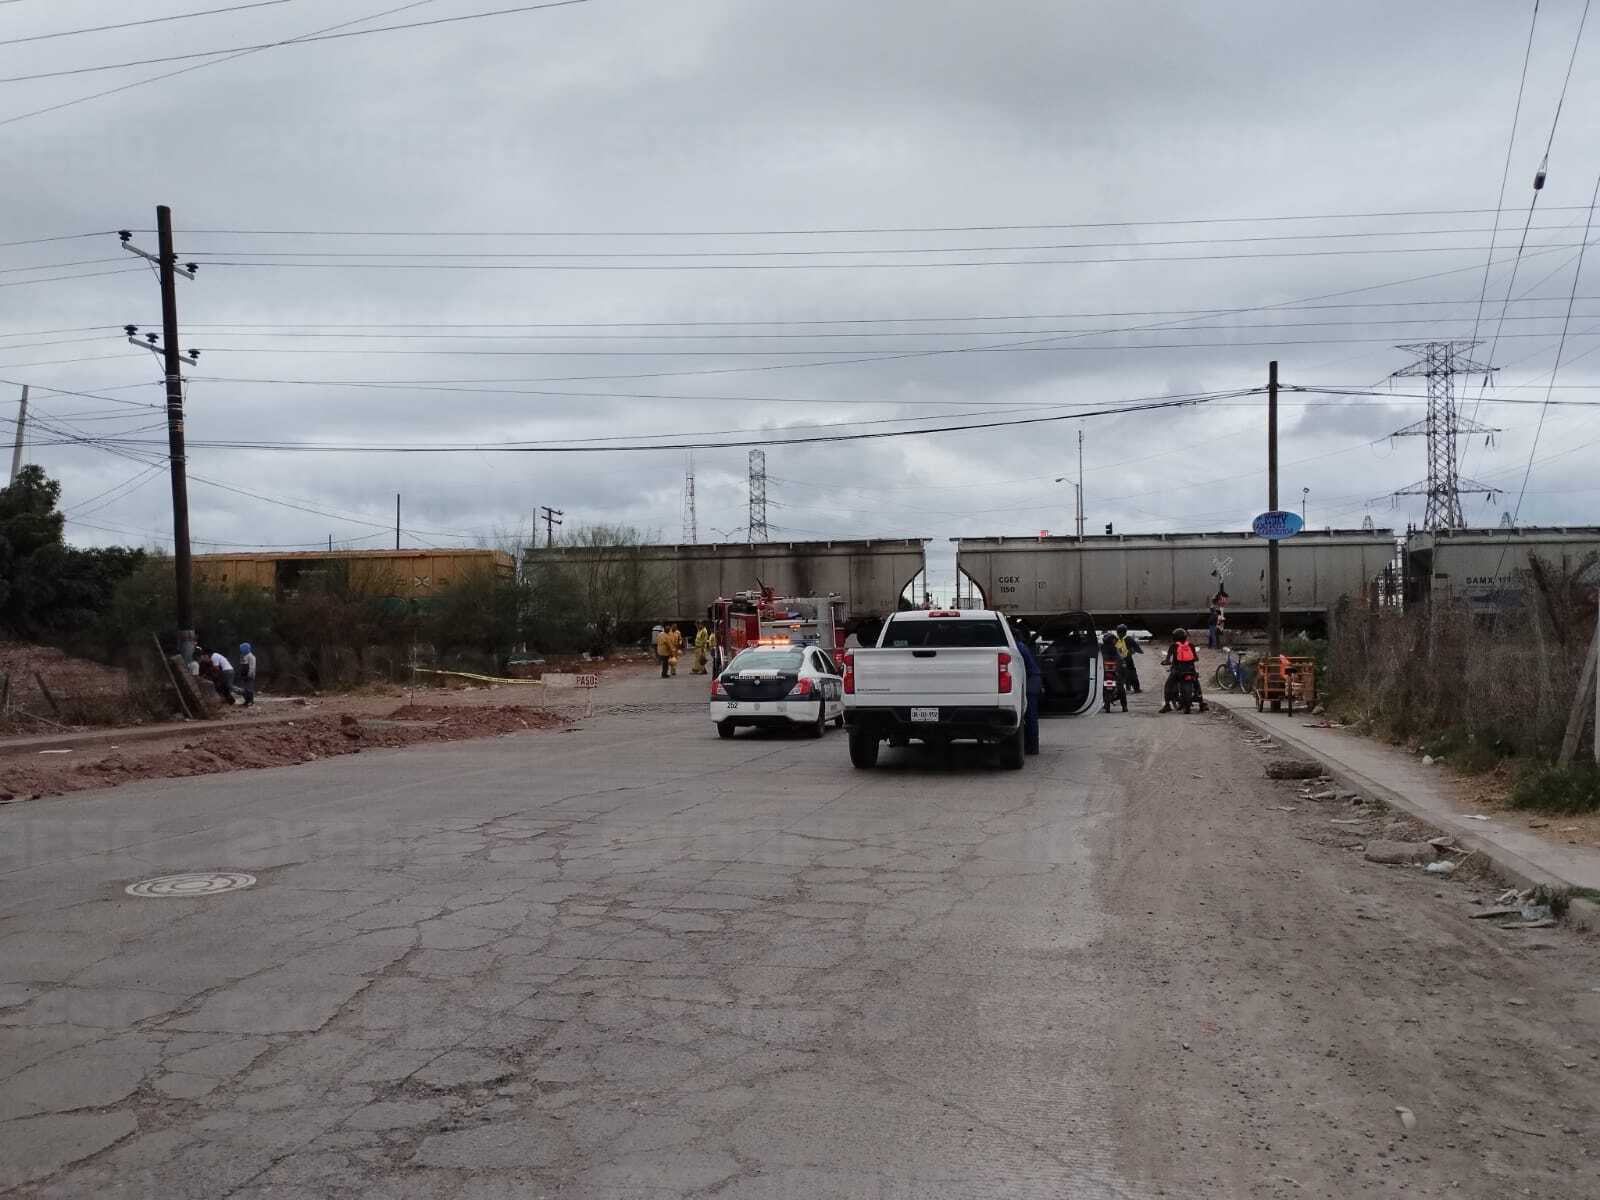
pixel 724 729
pixel 1011 751
pixel 863 749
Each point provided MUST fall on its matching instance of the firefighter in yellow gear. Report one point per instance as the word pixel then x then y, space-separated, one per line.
pixel 674 648
pixel 702 648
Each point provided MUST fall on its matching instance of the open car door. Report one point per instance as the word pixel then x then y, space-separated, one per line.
pixel 1070 659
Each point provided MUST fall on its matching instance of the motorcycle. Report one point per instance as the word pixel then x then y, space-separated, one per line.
pixel 1111 687
pixel 1189 689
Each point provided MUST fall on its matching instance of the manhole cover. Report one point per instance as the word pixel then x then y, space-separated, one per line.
pixel 202 883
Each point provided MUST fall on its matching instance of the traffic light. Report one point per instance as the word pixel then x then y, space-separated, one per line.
pixel 1108 528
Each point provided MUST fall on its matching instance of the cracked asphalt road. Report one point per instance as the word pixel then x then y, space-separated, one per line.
pixel 634 961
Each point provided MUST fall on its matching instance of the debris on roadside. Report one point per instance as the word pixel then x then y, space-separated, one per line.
pixel 1442 867
pixel 1400 853
pixel 1289 768
pixel 1498 910
pixel 1407 1117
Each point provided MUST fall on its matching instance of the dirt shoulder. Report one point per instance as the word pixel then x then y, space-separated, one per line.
pixel 1488 793
pixel 1306 1023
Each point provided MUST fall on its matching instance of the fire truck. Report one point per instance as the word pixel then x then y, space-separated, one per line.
pixel 761 618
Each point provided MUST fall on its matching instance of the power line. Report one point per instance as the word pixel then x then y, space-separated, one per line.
pixel 850 266
pixel 1538 186
pixel 851 251
pixel 826 231
pixel 534 448
pixel 58 278
pixel 298 41
pixel 1539 429
pixel 60 266
pixel 886 352
pixel 1505 174
pixel 208 12
pixel 77 100
pixel 419 332
pixel 60 237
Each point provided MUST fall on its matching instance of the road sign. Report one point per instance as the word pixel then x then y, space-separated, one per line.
pixel 1277 524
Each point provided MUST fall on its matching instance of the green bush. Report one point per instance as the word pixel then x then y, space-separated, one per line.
pixel 1574 789
pixel 49 589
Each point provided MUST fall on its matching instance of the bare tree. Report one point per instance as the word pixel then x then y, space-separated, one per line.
pixel 594 585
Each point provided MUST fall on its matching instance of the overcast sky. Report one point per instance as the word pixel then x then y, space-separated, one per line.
pixel 721 129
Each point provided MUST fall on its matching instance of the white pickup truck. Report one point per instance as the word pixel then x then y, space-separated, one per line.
pixel 937 677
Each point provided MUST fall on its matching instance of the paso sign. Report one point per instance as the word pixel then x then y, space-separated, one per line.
pixel 1277 524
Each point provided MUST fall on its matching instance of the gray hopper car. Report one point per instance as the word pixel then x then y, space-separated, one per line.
pixel 1488 568
pixel 1161 580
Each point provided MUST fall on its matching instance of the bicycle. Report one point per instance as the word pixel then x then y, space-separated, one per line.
pixel 1231 675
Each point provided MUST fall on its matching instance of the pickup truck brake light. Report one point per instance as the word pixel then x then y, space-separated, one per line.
pixel 1005 673
pixel 716 688
pixel 800 690
pixel 849 664
pixel 944 612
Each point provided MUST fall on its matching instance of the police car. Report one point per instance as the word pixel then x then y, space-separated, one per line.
pixel 782 687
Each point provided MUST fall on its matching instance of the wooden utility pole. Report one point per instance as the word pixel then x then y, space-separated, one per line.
pixel 1575 717
pixel 167 267
pixel 552 518
pixel 397 520
pixel 22 421
pixel 1274 611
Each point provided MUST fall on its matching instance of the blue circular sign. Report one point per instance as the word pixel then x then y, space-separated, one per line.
pixel 1277 524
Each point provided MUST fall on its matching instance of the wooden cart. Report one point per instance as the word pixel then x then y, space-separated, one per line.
pixel 1288 680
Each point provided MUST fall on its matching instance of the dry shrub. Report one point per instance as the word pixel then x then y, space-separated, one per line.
pixel 1464 683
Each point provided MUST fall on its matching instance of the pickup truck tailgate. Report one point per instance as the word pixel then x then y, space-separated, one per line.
pixel 947 676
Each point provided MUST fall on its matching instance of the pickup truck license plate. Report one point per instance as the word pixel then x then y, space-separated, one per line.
pixel 924 714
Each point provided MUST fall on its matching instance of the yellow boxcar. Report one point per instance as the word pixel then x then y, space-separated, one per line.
pixel 417 574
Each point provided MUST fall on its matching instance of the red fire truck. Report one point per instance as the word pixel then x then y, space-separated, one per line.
pixel 761 618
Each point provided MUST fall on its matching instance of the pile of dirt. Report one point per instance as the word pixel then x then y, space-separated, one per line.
pixel 268 745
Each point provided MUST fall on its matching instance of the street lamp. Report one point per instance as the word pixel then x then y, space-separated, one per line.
pixel 1077 508
pixel 1304 492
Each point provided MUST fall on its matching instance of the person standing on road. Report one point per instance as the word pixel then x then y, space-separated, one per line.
pixel 702 647
pixel 1127 647
pixel 663 647
pixel 1035 691
pixel 674 647
pixel 247 673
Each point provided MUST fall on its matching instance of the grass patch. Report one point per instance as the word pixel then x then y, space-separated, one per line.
pixel 1464 751
pixel 1574 789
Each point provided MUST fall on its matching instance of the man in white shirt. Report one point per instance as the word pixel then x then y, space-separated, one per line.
pixel 222 676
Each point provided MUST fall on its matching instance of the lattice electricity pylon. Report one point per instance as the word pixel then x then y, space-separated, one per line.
pixel 691 522
pixel 758 530
pixel 1439 364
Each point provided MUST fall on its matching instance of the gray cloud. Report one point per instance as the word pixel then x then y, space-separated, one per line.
pixel 626 115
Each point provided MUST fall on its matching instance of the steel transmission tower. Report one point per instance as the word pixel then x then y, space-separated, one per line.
pixel 757 522
pixel 1439 363
pixel 691 524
